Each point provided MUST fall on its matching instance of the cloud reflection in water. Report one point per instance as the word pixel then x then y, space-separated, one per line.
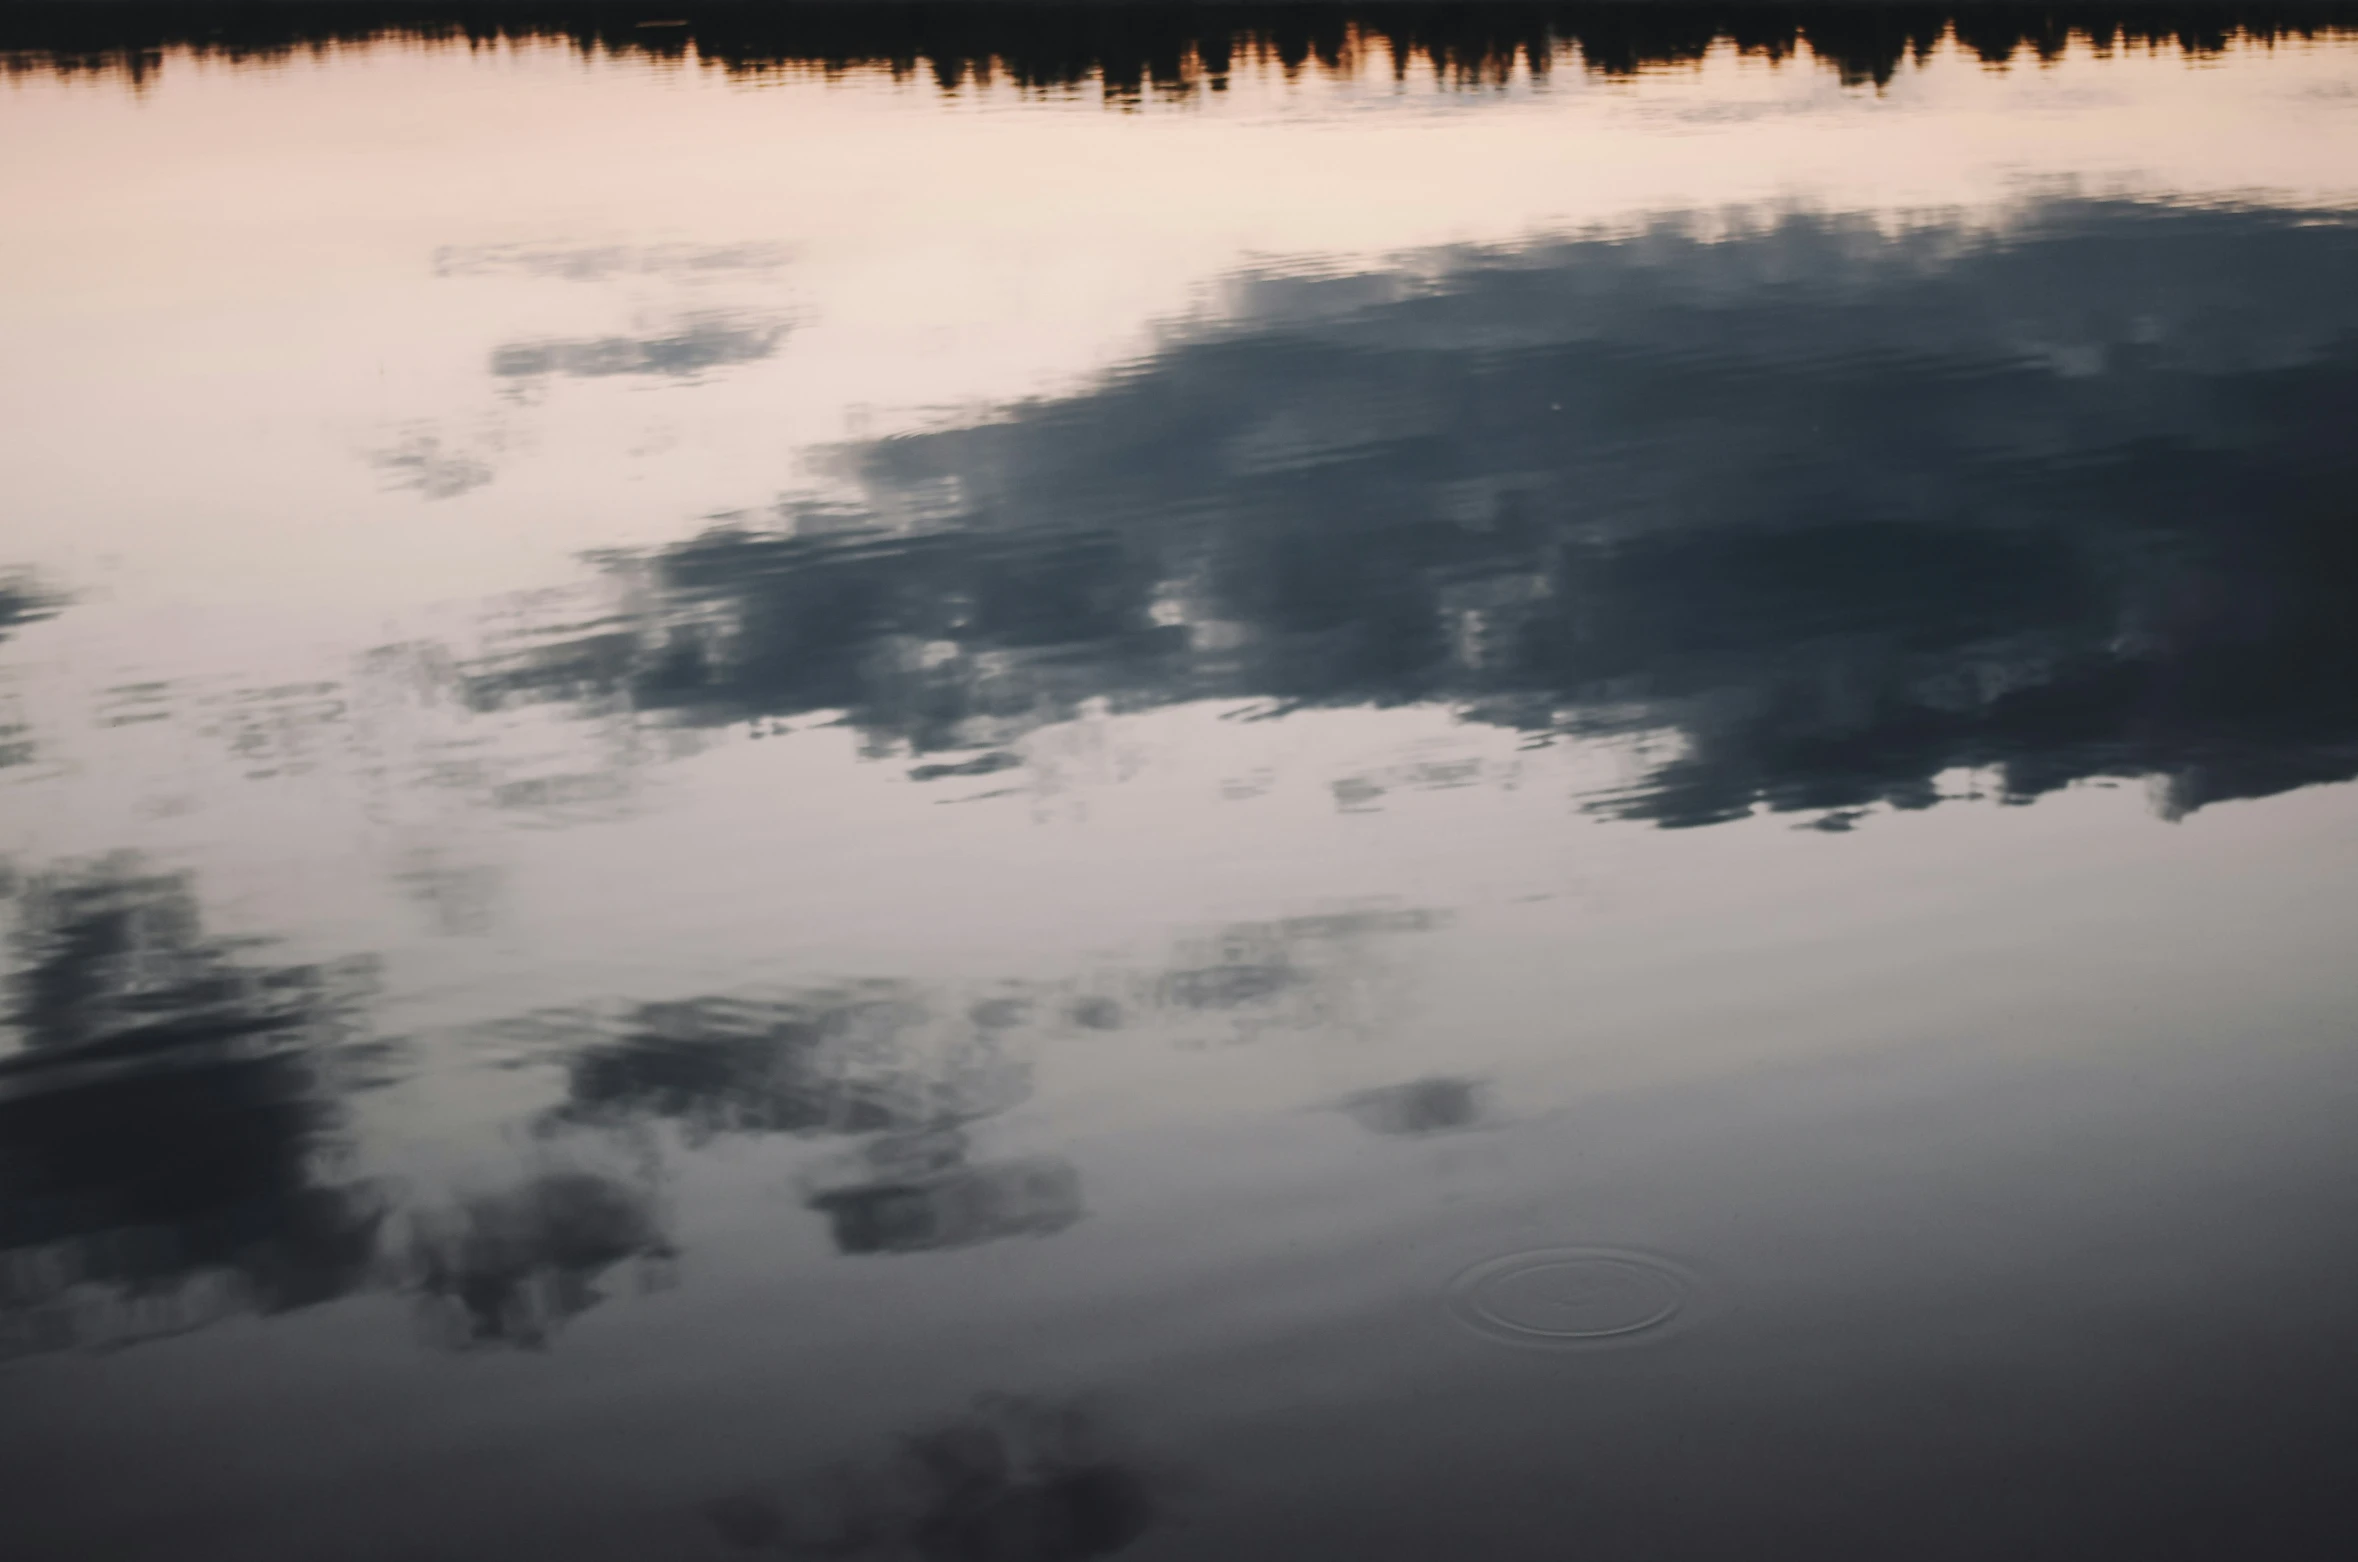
pixel 1838 509
pixel 169 1116
pixel 687 349
pixel 1010 1480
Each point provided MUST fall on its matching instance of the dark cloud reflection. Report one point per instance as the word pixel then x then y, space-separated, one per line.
pixel 22 602
pixel 919 1193
pixel 511 1268
pixel 425 462
pixel 1011 1480
pixel 600 262
pixel 686 350
pixel 859 1060
pixel 1421 1106
pixel 1839 509
pixel 168 1118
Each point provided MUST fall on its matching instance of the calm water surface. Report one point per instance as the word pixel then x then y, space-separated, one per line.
pixel 1485 783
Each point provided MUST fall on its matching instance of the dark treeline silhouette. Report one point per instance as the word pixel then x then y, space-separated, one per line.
pixel 1134 46
pixel 1840 509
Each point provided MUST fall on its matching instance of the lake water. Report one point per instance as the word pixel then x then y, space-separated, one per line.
pixel 1012 784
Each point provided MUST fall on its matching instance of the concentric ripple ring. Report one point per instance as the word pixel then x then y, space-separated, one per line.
pixel 1570 1296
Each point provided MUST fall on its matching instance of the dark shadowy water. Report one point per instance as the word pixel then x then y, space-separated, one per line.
pixel 1023 783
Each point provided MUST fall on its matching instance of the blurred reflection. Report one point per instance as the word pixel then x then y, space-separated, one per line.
pixel 688 349
pixel 1012 1480
pixel 1325 972
pixel 600 262
pixel 280 729
pixel 168 1117
pixel 1805 512
pixel 22 602
pixel 431 465
pixel 1421 1106
pixel 171 1116
pixel 1158 45
pixel 905 1071
pixel 512 1268
pixel 858 1060
pixel 916 1194
pixel 459 899
pixel 1840 510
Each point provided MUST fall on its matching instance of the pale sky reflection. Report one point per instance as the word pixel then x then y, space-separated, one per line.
pixel 258 315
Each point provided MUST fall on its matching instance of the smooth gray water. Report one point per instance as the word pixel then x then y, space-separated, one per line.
pixel 1529 789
